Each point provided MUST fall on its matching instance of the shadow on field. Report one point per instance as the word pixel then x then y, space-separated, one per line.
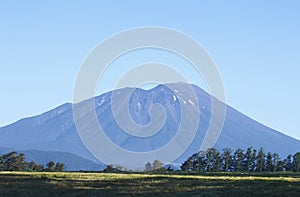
pixel 19 184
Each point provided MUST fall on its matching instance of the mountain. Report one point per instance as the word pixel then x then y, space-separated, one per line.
pixel 55 130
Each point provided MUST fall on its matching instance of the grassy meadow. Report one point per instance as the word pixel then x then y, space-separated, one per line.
pixel 129 184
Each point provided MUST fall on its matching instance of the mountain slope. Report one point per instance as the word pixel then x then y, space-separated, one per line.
pixel 55 130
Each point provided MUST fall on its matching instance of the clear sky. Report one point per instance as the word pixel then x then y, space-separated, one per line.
pixel 256 45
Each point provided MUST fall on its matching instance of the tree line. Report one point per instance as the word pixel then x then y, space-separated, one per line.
pixel 229 160
pixel 16 162
pixel 239 160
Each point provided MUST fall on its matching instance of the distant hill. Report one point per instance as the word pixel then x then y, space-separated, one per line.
pixel 55 130
pixel 73 162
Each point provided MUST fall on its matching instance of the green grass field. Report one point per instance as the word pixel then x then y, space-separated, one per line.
pixel 101 184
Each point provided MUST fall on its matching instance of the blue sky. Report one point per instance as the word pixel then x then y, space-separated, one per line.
pixel 256 45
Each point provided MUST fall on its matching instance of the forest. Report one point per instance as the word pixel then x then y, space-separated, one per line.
pixel 250 160
pixel 16 162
